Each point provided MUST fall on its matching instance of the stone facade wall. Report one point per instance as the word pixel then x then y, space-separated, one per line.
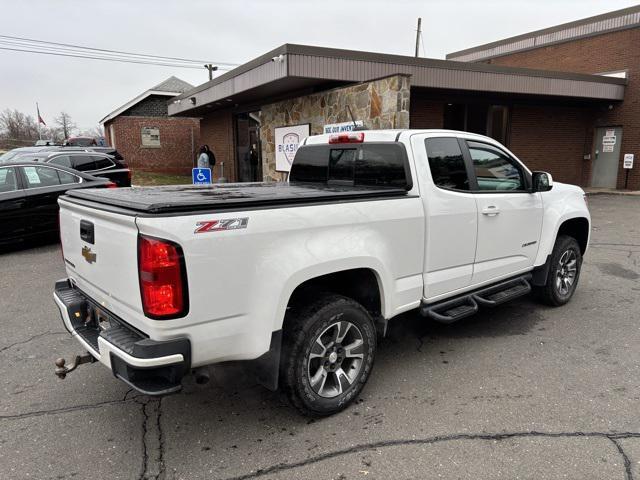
pixel 380 104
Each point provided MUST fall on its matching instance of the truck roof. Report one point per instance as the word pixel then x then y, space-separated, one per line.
pixel 392 135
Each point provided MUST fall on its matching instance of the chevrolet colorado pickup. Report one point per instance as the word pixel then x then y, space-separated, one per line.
pixel 298 279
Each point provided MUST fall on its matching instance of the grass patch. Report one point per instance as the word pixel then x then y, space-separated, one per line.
pixel 148 179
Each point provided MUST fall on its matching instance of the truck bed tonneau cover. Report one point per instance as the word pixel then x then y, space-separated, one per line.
pixel 187 198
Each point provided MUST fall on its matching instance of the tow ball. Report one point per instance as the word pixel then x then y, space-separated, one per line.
pixel 62 369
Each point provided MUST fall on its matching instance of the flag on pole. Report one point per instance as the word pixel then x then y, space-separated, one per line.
pixel 40 120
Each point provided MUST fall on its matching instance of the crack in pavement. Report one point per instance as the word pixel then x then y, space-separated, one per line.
pixel 625 457
pixel 22 342
pixel 153 466
pixel 55 411
pixel 281 467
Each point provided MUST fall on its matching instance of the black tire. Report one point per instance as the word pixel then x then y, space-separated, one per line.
pixel 316 320
pixel 554 292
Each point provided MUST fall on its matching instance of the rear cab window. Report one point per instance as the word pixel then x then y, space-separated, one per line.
pixel 446 163
pixel 381 165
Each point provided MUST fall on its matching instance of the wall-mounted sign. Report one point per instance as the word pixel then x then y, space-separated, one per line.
pixel 287 140
pixel 342 127
pixel 150 137
pixel 609 140
pixel 628 160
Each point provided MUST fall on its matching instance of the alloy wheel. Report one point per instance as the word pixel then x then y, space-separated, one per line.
pixel 336 359
pixel 567 271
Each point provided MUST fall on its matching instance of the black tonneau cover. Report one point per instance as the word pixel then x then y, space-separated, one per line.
pixel 190 198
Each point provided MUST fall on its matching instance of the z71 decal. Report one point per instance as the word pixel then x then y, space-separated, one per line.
pixel 221 225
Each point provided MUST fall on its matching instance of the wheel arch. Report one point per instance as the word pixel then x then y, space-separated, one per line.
pixel 578 228
pixel 360 284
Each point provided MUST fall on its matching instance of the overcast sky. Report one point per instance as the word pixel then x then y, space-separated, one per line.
pixel 234 32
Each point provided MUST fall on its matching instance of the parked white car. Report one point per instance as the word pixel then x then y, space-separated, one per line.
pixel 299 279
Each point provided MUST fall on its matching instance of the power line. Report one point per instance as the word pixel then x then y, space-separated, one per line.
pixel 59 54
pixel 46 48
pixel 107 51
pixel 9 45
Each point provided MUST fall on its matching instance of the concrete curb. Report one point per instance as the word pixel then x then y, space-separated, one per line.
pixel 631 193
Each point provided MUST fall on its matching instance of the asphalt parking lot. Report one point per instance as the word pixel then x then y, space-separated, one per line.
pixel 522 391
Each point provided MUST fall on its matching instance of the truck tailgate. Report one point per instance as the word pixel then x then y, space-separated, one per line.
pixel 100 254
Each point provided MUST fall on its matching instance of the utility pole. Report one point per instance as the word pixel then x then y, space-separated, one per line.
pixel 211 68
pixel 418 33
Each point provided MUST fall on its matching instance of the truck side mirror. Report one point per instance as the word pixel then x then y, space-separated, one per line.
pixel 542 182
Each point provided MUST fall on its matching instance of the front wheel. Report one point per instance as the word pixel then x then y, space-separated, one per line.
pixel 564 272
pixel 328 352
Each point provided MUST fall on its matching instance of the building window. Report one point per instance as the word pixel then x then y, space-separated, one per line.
pixel 151 137
pixel 489 120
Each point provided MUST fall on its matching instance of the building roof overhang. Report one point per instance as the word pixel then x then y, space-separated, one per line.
pixel 566 32
pixel 299 68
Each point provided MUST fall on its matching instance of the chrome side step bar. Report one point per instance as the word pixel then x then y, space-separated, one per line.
pixel 452 310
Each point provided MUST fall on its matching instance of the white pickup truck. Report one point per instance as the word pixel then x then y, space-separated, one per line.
pixel 298 279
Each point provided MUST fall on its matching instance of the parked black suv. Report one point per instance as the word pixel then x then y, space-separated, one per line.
pixel 95 163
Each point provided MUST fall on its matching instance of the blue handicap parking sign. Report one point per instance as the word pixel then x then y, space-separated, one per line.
pixel 201 176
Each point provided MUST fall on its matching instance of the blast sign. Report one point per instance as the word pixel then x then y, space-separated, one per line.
pixel 287 140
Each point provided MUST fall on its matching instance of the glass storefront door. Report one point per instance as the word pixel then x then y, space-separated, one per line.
pixel 248 150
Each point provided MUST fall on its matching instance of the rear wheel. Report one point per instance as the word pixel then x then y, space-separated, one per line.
pixel 564 272
pixel 328 352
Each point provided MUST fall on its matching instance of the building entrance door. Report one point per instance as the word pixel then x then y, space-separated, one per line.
pixel 606 157
pixel 248 151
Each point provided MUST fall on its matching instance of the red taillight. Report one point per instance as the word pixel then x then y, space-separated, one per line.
pixel 111 185
pixel 347 137
pixel 162 278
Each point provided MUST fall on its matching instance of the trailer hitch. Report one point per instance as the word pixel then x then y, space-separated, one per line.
pixel 62 370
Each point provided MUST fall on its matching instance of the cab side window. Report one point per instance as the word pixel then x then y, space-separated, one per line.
pixel 494 170
pixel 102 162
pixel 83 163
pixel 41 177
pixel 447 163
pixel 63 160
pixel 8 182
pixel 66 178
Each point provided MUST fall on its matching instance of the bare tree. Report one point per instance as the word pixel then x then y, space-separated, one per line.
pixel 17 129
pixel 65 123
pixel 96 132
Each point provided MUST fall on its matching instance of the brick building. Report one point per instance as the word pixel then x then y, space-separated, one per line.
pixel 605 44
pixel 147 137
pixel 563 99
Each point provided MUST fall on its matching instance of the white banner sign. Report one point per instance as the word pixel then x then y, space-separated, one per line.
pixel 342 127
pixel 287 140
pixel 628 160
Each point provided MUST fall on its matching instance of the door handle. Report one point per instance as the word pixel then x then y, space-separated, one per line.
pixel 491 210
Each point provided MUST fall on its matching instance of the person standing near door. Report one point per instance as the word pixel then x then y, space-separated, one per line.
pixel 253 162
pixel 203 157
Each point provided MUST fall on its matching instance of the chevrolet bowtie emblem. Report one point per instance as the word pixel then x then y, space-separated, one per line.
pixel 88 255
